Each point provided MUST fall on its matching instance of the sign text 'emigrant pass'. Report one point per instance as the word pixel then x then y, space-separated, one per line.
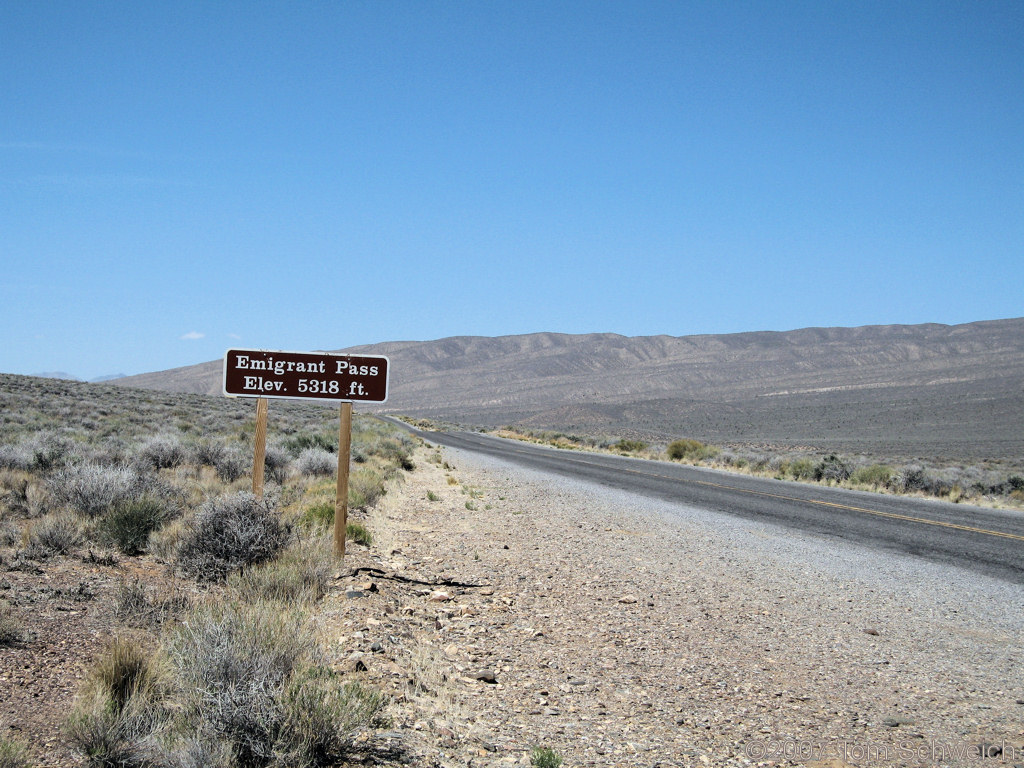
pixel 305 375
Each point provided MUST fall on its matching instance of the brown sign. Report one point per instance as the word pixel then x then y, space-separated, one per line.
pixel 305 375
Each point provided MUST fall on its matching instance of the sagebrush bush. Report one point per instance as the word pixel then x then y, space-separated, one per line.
pixel 162 452
pixel 234 662
pixel 92 489
pixel 251 686
pixel 832 469
pixel 228 533
pixel 316 462
pixel 232 464
pixel 275 463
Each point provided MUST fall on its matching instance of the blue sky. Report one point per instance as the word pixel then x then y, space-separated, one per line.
pixel 179 178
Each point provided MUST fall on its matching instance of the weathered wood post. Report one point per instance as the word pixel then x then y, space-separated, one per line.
pixel 260 448
pixel 341 491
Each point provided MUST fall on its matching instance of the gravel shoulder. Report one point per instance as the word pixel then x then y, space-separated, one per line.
pixel 505 609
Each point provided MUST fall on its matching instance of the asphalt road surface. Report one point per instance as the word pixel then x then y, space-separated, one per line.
pixel 974 538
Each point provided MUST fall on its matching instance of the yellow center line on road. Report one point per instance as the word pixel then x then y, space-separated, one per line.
pixel 876 512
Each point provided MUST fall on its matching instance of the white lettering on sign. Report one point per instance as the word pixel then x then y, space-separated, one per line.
pixel 356 370
pixel 246 363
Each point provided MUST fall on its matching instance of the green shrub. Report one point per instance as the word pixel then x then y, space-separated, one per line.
pixel 629 446
pixel 543 757
pixel 230 532
pixel 11 630
pixel 359 533
pixel 321 712
pixel 693 450
pixel 13 754
pixel 877 475
pixel 324 441
pixel 802 469
pixel 120 709
pixel 127 526
pixel 365 488
pixel 319 515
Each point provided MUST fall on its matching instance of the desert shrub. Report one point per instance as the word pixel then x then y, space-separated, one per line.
pixel 397 449
pixel 138 606
pixel 877 475
pixel 234 662
pixel 162 452
pixel 231 464
pixel 359 533
pixel 832 469
pixel 207 452
pixel 58 533
pixel 693 450
pixel 802 469
pixel 320 714
pixel 365 488
pixel 228 533
pixel 252 687
pixel 11 630
pixel 629 446
pixel 907 479
pixel 91 489
pixel 48 450
pixel 543 757
pixel 10 533
pixel 316 462
pixel 320 514
pixel 299 574
pixel 114 720
pixel 1016 483
pixel 275 463
pixel 303 441
pixel 128 524
pixel 15 457
pixel 13 754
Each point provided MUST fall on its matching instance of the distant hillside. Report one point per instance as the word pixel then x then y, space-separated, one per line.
pixel 921 389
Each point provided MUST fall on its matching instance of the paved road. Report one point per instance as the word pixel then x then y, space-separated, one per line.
pixel 978 539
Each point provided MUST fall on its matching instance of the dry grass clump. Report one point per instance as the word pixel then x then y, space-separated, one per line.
pixel 299 575
pixel 13 754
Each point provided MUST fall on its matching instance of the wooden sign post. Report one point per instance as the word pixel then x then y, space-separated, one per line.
pixel 264 374
pixel 341 491
pixel 259 456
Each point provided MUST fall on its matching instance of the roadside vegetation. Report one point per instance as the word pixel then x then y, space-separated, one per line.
pixel 222 667
pixel 992 483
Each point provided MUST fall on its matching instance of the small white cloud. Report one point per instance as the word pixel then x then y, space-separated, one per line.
pixel 192 335
pixel 234 336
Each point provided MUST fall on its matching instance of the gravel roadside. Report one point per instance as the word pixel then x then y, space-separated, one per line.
pixel 505 609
